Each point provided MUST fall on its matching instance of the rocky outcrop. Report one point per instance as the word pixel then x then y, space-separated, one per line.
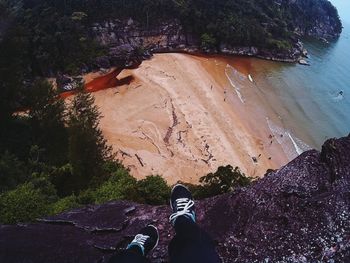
pixel 325 23
pixel 300 213
pixel 127 40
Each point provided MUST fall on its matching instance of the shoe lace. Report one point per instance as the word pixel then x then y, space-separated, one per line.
pixel 140 239
pixel 183 206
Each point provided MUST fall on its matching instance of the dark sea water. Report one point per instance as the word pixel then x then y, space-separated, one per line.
pixel 315 100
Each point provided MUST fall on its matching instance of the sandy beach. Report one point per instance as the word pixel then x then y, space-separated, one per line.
pixel 182 116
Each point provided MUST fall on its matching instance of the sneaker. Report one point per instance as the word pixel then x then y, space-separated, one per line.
pixel 181 203
pixel 147 239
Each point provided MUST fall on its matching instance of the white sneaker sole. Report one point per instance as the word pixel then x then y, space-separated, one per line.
pixel 157 237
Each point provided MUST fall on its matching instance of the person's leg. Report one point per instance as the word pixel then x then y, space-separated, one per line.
pixel 142 244
pixel 129 256
pixel 191 244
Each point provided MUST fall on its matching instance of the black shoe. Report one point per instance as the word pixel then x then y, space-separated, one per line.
pixel 147 239
pixel 181 203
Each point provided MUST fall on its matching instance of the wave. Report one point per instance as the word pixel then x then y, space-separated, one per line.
pixel 232 75
pixel 292 146
pixel 235 73
pixel 338 98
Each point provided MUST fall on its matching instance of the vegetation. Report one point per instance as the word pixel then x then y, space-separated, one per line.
pixel 22 204
pixel 226 179
pixel 38 197
pixel 153 190
pixel 51 36
pixel 49 154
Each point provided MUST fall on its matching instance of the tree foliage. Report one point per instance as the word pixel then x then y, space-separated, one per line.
pixel 12 172
pixel 225 179
pixel 22 204
pixel 153 190
pixel 121 185
pixel 87 148
pixel 47 120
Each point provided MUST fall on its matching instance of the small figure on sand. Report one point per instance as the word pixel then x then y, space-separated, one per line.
pixel 211 87
pixel 225 92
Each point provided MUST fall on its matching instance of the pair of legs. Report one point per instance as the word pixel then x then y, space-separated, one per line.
pixel 191 244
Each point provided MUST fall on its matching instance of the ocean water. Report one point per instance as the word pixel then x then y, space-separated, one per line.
pixel 314 101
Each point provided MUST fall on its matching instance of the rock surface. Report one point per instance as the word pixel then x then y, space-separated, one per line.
pixel 325 25
pixel 300 213
pixel 127 39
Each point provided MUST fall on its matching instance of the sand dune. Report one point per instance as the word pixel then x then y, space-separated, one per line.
pixel 181 118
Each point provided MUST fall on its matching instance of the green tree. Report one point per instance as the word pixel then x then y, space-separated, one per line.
pixel 121 185
pixel 47 119
pixel 23 204
pixel 64 204
pixel 153 190
pixel 13 70
pixel 207 41
pixel 12 172
pixel 224 180
pixel 87 149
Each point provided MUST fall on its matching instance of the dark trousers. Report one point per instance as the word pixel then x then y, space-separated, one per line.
pixel 190 245
pixel 129 256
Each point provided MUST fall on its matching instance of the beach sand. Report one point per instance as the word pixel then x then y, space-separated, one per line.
pixel 182 116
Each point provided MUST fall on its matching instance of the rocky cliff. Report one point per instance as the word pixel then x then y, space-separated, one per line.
pixel 325 24
pixel 300 213
pixel 130 38
pixel 127 39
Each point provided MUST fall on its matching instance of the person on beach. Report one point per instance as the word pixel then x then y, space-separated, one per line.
pixel 191 244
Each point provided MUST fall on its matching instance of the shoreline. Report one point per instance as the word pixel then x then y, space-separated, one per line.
pixel 179 118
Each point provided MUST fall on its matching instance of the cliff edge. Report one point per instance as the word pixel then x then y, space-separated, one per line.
pixel 300 213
